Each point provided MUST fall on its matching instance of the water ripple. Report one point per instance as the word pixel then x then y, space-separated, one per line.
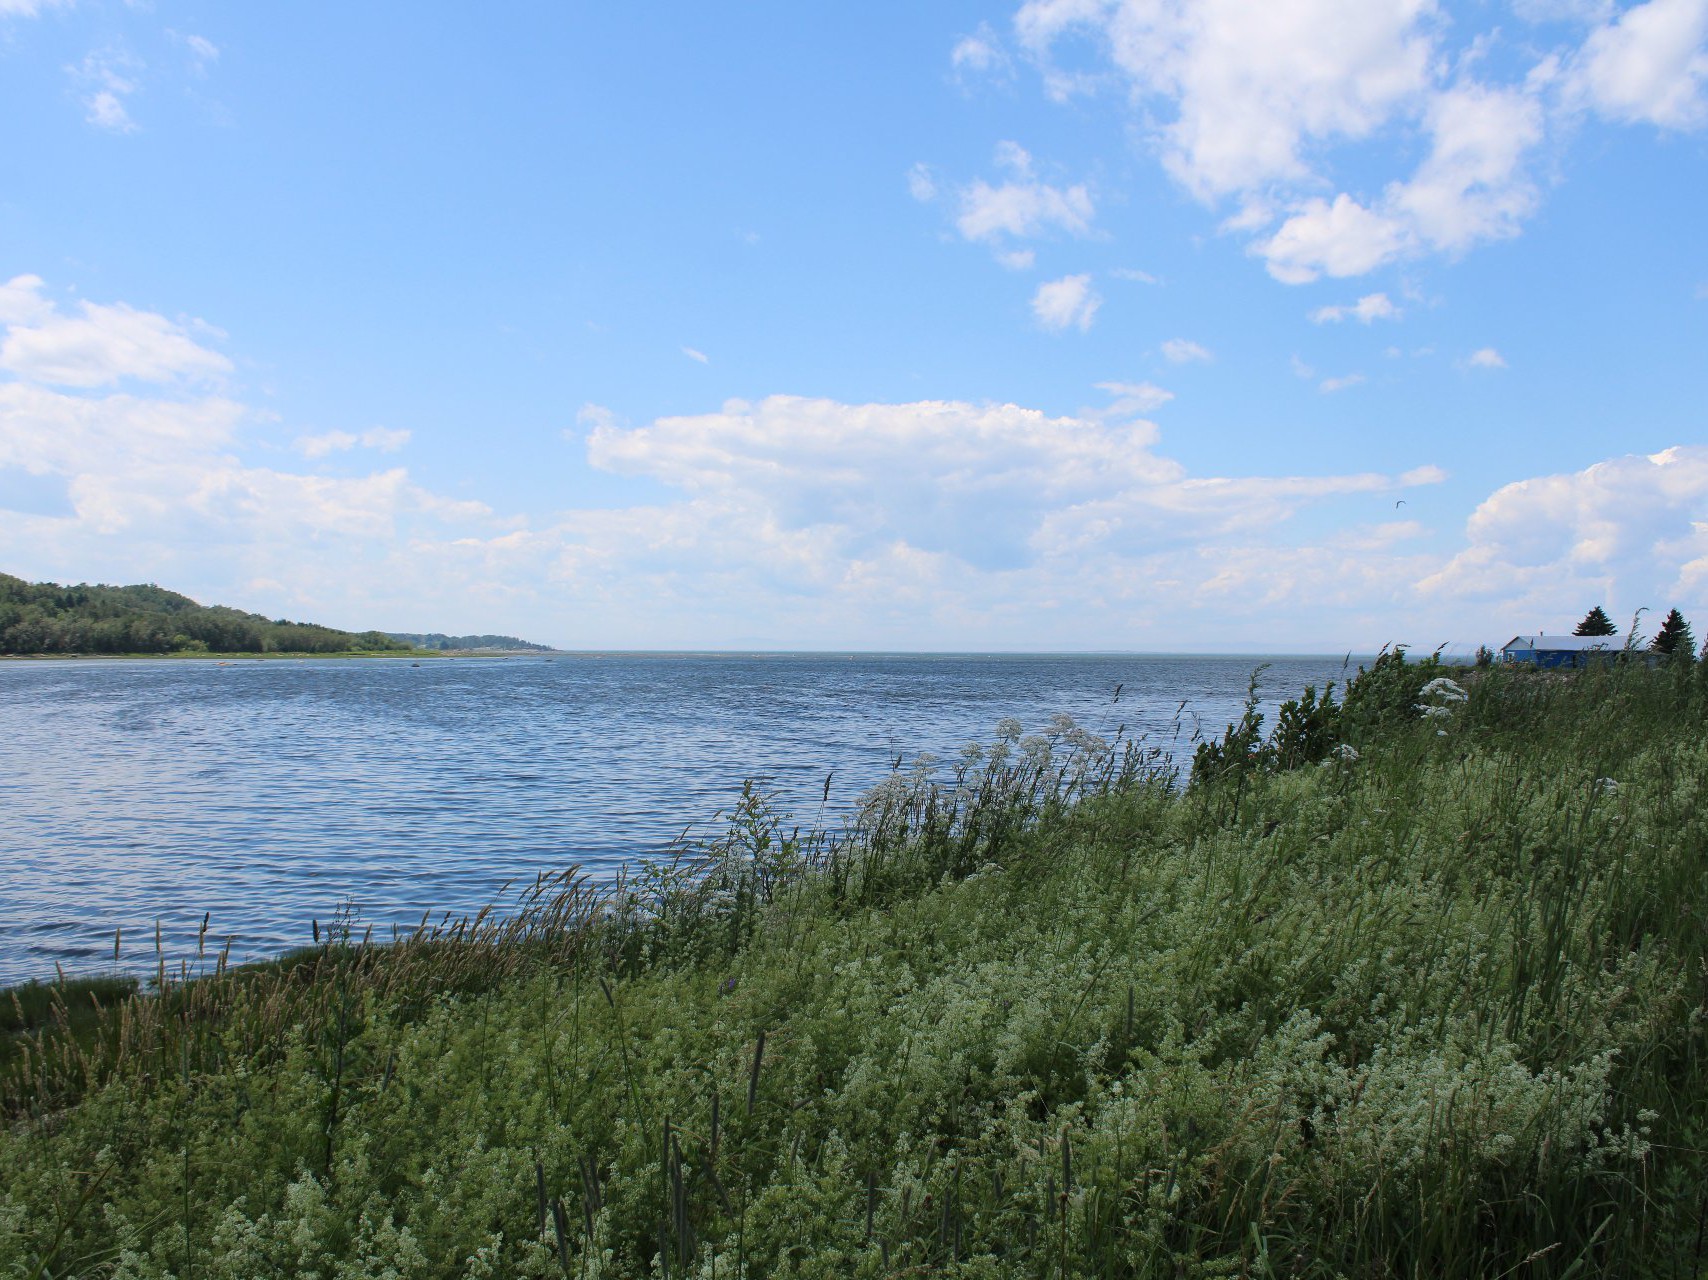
pixel 269 795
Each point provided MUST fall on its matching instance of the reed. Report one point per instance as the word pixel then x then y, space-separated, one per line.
pixel 1381 993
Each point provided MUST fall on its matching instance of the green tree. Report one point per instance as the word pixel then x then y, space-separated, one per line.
pixel 1674 636
pixel 1596 623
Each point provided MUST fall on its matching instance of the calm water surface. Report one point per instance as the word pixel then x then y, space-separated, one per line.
pixel 270 794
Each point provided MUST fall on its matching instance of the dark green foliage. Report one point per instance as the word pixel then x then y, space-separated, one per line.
pixel 439 640
pixel 1386 694
pixel 1596 623
pixel 45 617
pixel 1674 637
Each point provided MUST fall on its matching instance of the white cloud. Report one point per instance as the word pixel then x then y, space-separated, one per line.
pixel 1429 473
pixel 1135 275
pixel 1068 302
pixel 1630 532
pixel 1372 306
pixel 840 483
pixel 1471 187
pixel 384 439
pixel 1257 106
pixel 921 185
pixel 21 301
pixel 106 111
pixel 1340 239
pixel 980 53
pixel 696 355
pixel 27 8
pixel 1018 259
pixel 155 486
pixel 1015 158
pixel 204 49
pixel 1328 386
pixel 1649 64
pixel 1253 88
pixel 1134 397
pixel 101 345
pixel 1181 351
pixel 1486 358
pixel 1022 210
pixel 110 76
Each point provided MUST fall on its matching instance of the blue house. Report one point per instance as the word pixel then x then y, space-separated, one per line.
pixel 1561 651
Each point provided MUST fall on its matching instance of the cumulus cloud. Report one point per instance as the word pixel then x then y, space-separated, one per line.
pixel 1181 351
pixel 1486 358
pixel 99 345
pixel 1648 64
pixel 994 486
pixel 1631 531
pixel 1328 386
pixel 1252 87
pixel 27 8
pixel 1372 306
pixel 1253 105
pixel 1022 210
pixel 1066 303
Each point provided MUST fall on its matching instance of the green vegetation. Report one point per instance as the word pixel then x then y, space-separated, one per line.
pixel 45 617
pixel 1412 986
pixel 440 641
pixel 1596 623
pixel 1674 636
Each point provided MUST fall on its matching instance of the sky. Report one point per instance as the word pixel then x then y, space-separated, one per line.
pixel 1111 325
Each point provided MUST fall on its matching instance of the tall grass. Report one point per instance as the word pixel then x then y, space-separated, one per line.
pixel 1377 994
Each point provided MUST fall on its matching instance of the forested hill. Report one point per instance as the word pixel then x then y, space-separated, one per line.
pixel 439 640
pixel 44 617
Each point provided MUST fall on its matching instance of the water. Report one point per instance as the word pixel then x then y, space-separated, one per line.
pixel 269 794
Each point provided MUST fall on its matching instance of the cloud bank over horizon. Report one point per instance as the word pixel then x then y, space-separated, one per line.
pixel 843 525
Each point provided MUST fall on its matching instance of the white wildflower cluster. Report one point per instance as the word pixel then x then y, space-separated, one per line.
pixel 1441 698
pixel 1607 786
pixel 1345 753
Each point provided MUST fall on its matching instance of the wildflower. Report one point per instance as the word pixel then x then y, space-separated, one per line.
pixel 1347 752
pixel 1433 713
pixel 1607 786
pixel 1445 689
pixel 1061 723
pixel 1008 729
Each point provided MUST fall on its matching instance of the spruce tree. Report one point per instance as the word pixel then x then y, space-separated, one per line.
pixel 1674 636
pixel 1596 623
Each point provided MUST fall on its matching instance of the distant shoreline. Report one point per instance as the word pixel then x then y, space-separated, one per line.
pixel 300 655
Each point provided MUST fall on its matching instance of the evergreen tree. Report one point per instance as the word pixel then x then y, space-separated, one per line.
pixel 1596 623
pixel 1674 636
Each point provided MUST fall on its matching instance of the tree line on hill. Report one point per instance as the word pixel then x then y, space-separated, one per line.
pixel 1675 635
pixel 439 640
pixel 46 618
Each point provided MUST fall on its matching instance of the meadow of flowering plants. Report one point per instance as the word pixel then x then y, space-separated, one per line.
pixel 1411 983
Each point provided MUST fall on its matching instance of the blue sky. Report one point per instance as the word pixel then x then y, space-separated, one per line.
pixel 1066 324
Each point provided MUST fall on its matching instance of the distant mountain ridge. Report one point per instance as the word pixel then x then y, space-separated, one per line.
pixel 439 640
pixel 47 618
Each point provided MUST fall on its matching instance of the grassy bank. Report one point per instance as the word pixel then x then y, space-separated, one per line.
pixel 1381 993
